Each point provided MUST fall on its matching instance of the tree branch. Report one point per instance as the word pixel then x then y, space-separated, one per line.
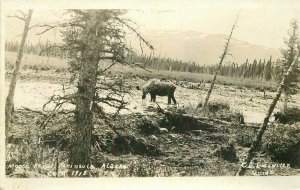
pixel 46 49
pixel 48 27
pixel 18 17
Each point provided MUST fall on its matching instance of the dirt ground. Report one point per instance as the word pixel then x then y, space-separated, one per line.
pixel 194 153
pixel 34 89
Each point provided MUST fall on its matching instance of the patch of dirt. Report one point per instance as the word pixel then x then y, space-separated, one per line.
pixel 34 89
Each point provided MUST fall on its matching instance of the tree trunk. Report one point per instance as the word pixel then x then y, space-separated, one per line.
pixel 285 102
pixel 218 70
pixel 264 125
pixel 10 97
pixel 81 135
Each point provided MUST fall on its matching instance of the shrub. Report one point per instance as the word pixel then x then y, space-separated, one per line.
pixel 9 65
pixel 282 143
pixel 147 126
pixel 45 68
pixel 245 136
pixel 25 66
pixel 221 110
pixel 227 152
pixel 231 116
pixel 291 116
pixel 33 67
pixel 60 70
pixel 215 107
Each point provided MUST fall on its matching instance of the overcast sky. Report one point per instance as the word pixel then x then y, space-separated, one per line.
pixel 260 22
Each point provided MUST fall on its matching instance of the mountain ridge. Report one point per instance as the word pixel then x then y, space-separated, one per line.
pixel 203 48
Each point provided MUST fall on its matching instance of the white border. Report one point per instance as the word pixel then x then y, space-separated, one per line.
pixel 223 183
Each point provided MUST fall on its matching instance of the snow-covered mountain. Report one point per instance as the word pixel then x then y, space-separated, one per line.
pixel 184 45
pixel 204 48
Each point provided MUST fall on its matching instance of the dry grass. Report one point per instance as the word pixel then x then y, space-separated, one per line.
pixel 31 61
pixel 51 63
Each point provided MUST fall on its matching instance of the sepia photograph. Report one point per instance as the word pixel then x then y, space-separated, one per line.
pixel 206 89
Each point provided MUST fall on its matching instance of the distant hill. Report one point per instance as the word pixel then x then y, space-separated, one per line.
pixel 191 46
pixel 204 48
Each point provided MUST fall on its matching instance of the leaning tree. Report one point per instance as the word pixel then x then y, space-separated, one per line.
pixel 94 41
pixel 291 57
pixel 222 58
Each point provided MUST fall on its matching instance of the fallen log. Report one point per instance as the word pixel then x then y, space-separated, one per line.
pixel 183 122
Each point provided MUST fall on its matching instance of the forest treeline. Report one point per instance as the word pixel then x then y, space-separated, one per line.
pixel 46 48
pixel 258 68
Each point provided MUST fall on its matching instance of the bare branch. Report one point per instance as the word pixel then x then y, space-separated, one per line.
pixel 107 68
pixel 18 17
pixel 23 16
pixel 132 64
pixel 136 32
pixel 48 27
pixel 50 47
pixel 22 13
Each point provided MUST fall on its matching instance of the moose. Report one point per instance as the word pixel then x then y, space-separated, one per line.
pixel 156 87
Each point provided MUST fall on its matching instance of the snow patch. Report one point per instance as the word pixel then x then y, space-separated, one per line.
pixel 203 36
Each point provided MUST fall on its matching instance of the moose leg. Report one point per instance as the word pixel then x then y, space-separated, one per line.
pixel 169 99
pixel 153 97
pixel 173 98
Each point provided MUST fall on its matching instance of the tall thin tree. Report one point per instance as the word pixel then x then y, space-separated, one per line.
pixel 10 97
pixel 288 54
pixel 218 69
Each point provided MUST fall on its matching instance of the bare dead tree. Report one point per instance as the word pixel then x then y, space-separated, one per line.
pixel 10 97
pixel 258 138
pixel 223 56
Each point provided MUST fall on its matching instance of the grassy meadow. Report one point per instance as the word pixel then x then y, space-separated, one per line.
pixel 44 63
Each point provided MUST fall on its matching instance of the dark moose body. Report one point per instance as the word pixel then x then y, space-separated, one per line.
pixel 156 87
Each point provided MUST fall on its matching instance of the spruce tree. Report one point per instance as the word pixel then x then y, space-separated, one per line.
pixel 288 54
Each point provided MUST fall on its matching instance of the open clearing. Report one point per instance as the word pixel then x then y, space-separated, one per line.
pixel 35 91
pixel 192 153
